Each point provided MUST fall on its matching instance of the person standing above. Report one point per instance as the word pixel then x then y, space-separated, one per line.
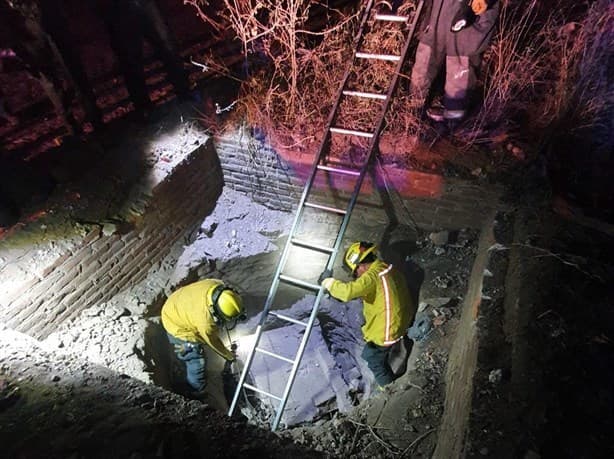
pixel 193 317
pixel 456 34
pixel 387 306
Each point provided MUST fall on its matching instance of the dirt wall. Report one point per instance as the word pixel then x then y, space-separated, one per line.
pixel 463 358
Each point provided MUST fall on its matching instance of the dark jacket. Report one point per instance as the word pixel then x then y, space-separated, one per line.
pixel 472 40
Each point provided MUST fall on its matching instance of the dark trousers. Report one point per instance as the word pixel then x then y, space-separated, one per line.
pixel 377 361
pixel 193 355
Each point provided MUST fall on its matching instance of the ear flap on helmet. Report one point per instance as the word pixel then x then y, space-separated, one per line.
pixel 215 295
pixel 218 315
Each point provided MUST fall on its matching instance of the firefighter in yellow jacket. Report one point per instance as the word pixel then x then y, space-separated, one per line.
pixel 192 317
pixel 387 306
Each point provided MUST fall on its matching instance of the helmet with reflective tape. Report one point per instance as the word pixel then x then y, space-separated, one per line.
pixel 226 303
pixel 357 253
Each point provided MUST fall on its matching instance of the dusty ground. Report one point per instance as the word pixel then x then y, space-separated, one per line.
pixel 56 402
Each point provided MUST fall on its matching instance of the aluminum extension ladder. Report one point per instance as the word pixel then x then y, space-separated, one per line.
pixel 370 18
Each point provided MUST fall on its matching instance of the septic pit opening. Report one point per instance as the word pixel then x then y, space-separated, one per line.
pixel 240 243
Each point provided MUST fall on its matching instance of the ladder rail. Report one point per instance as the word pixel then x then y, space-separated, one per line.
pixel 297 361
pixel 372 149
pixel 375 139
pixel 297 218
pixel 314 169
pixel 346 218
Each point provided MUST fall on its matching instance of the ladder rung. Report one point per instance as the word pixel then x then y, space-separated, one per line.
pixel 391 17
pixel 337 170
pixel 309 245
pixel 286 318
pixel 381 57
pixel 260 391
pixel 351 132
pixel 366 95
pixel 272 354
pixel 327 208
pixel 300 283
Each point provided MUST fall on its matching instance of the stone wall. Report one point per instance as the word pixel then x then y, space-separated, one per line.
pixel 96 265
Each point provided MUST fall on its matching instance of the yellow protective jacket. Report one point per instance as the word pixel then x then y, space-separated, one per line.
pixel 186 315
pixel 387 305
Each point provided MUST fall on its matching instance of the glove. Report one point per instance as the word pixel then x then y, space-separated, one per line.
pixel 327 283
pixel 326 273
pixel 479 6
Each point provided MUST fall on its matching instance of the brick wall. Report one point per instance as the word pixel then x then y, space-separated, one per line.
pixel 99 265
pixel 92 267
pixel 429 201
pixel 252 167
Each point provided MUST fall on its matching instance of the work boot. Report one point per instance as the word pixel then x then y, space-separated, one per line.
pixel 438 113
pixel 198 396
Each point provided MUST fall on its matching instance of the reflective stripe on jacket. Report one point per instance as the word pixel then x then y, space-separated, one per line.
pixel 186 315
pixel 387 305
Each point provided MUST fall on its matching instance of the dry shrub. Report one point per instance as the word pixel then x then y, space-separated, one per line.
pixel 548 66
pixel 582 95
pixel 291 97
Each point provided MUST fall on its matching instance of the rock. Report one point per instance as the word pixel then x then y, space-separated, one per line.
pixel 420 328
pixel 439 320
pixel 440 238
pixel 437 302
pixel 109 228
pixel 495 376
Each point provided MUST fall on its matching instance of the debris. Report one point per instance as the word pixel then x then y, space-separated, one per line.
pixel 440 238
pixel 439 320
pixel 495 376
pixel 420 328
pixel 109 228
pixel 497 247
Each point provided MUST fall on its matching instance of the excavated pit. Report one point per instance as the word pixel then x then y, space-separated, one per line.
pixel 238 238
pixel 332 376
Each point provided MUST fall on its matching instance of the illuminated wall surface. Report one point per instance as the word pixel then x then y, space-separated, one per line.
pixel 51 270
pixel 54 267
